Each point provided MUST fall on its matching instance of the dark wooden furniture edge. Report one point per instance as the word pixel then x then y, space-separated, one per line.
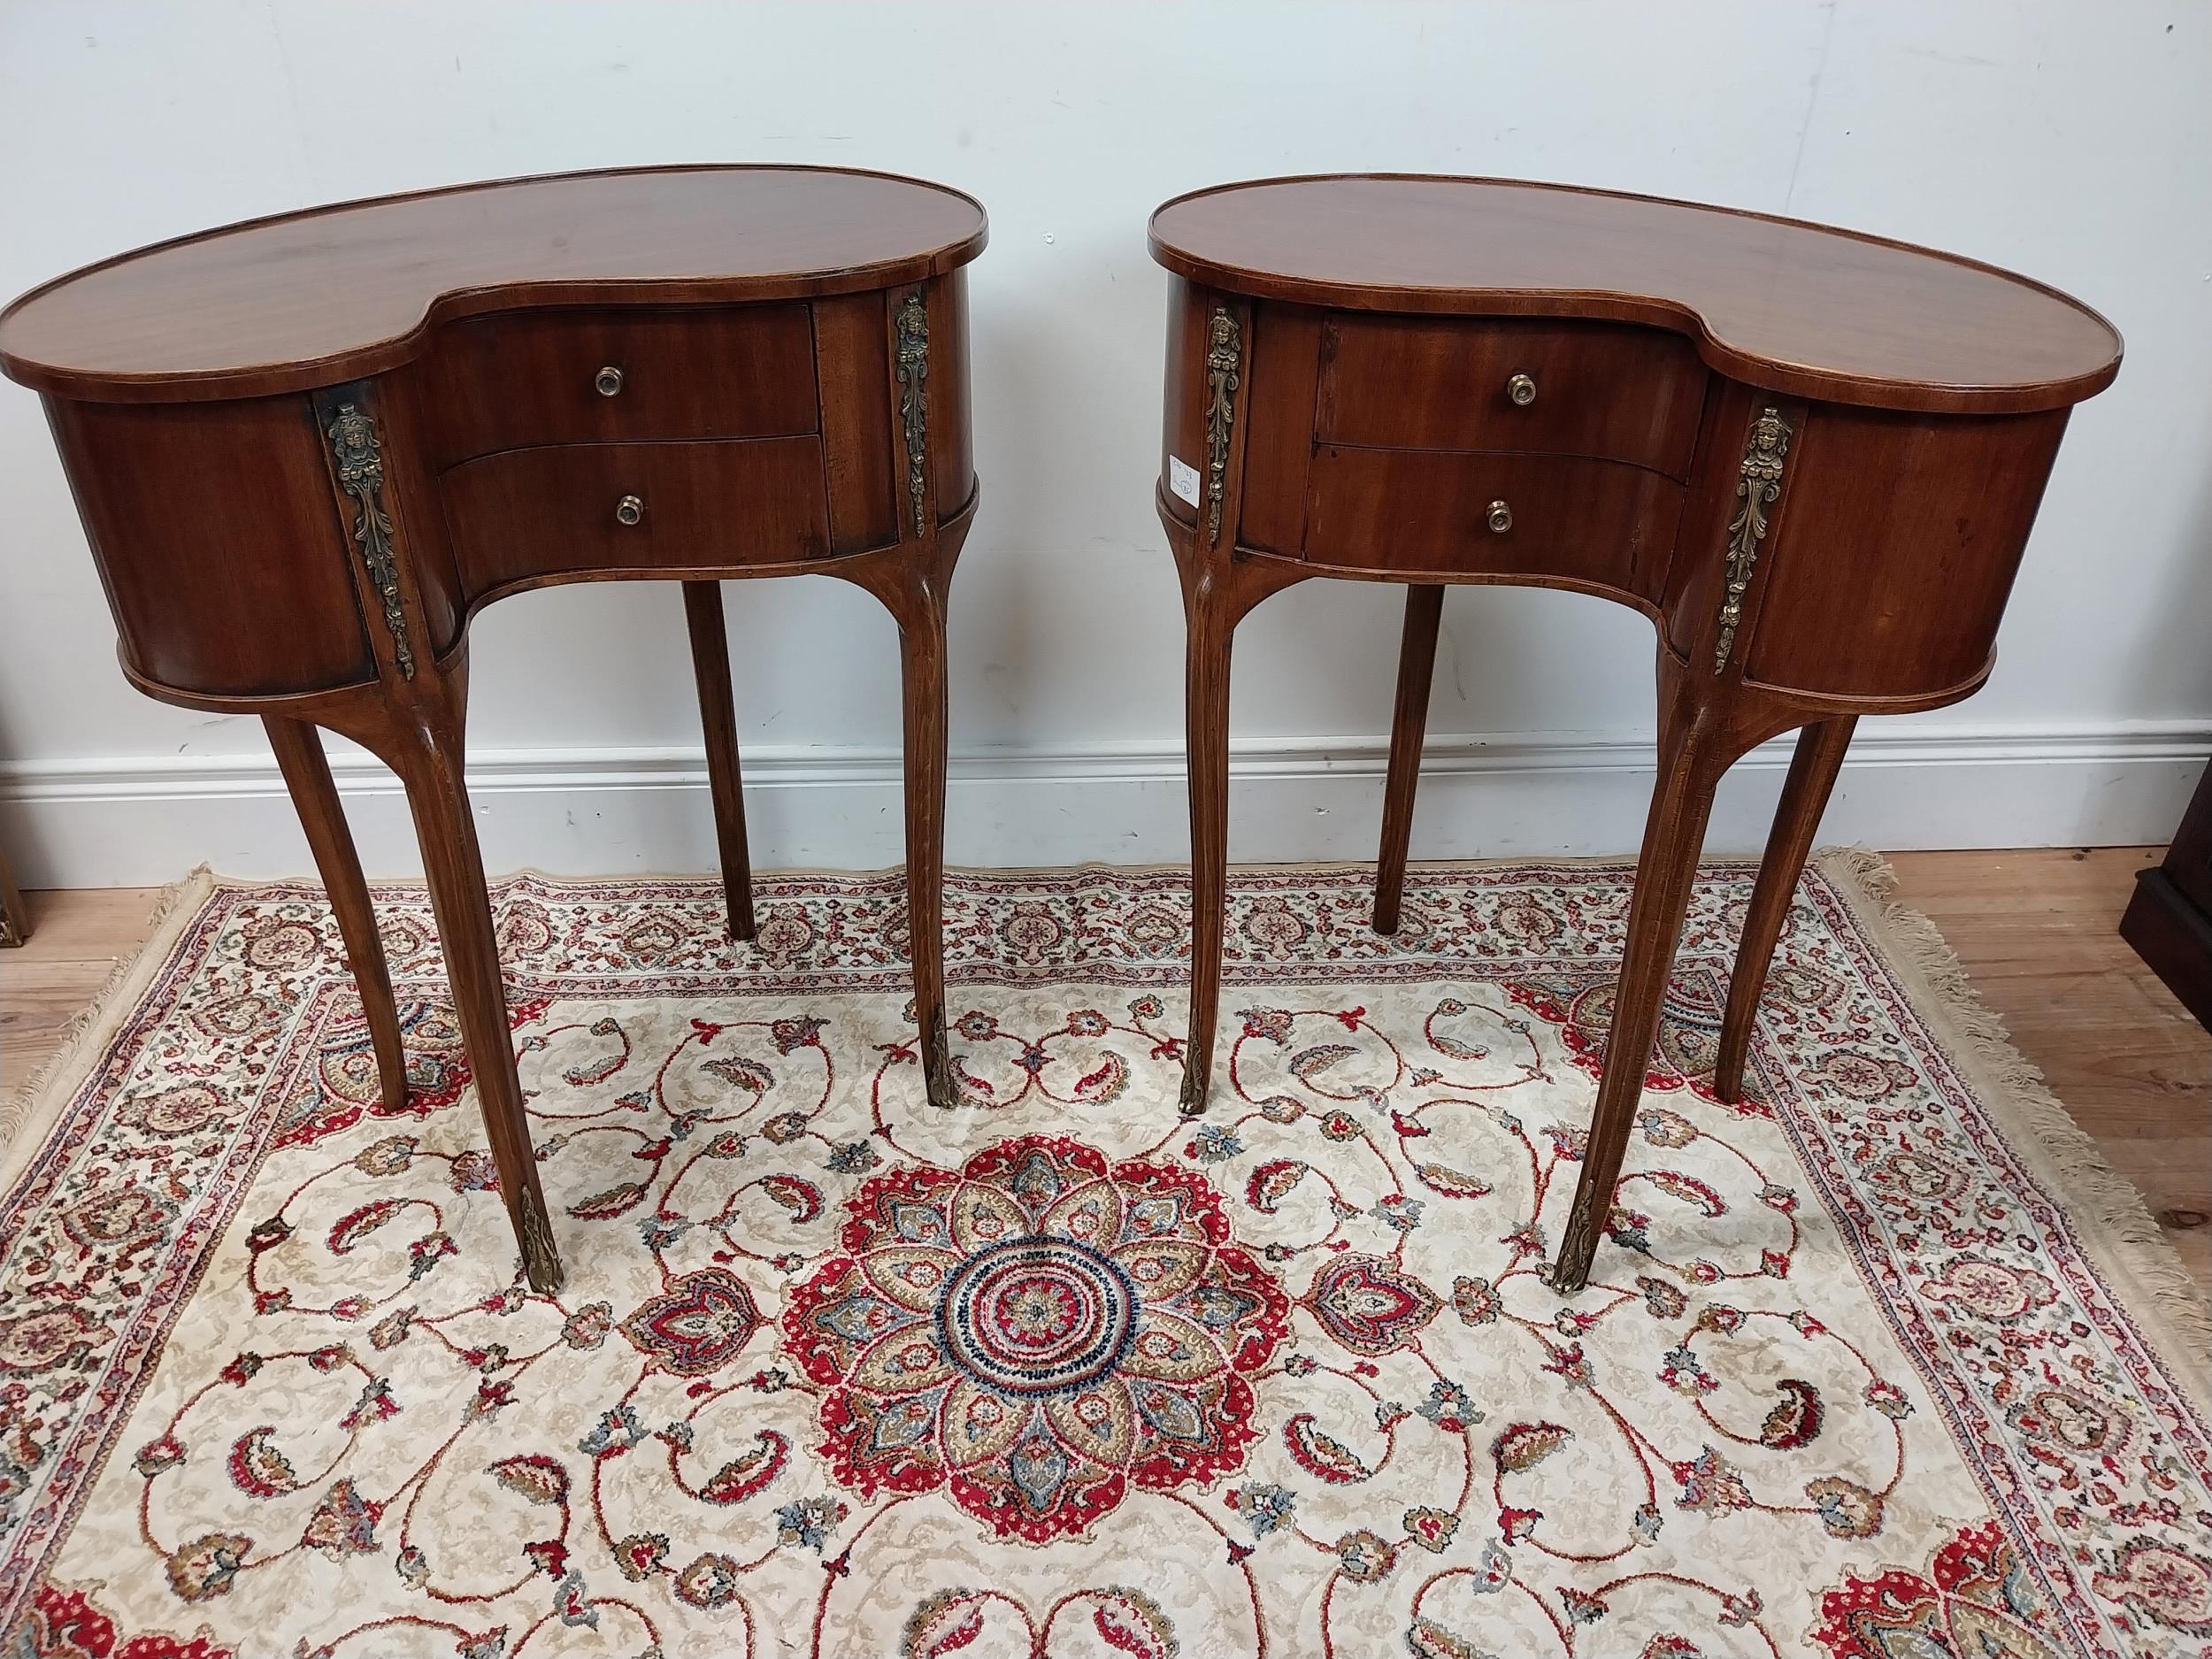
pixel 2169 920
pixel 2174 938
pixel 15 920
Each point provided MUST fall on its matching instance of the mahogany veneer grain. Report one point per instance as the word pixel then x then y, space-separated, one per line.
pixel 1776 302
pixel 330 294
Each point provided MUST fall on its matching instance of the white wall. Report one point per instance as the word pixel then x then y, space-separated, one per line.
pixel 2071 142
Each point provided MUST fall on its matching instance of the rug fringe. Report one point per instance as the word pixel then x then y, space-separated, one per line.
pixel 30 1113
pixel 2108 1209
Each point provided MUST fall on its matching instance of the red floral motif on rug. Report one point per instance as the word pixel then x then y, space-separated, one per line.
pixel 1975 1598
pixel 840 1374
pixel 1036 1333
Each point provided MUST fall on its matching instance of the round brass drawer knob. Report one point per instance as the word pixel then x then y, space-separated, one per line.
pixel 608 381
pixel 1501 518
pixel 1522 389
pixel 629 510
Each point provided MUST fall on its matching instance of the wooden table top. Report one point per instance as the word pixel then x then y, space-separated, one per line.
pixel 1792 307
pixel 309 298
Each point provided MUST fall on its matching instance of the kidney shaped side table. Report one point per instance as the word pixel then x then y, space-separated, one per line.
pixel 308 448
pixel 1810 457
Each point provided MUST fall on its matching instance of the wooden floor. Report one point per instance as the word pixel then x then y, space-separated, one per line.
pixel 2037 931
pixel 2034 928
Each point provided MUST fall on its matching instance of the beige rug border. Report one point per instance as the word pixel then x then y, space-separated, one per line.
pixel 29 1113
pixel 2107 1210
pixel 2111 1220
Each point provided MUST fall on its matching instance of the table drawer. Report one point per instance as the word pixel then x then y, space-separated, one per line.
pixel 1424 510
pixel 509 383
pixel 1611 392
pixel 531 512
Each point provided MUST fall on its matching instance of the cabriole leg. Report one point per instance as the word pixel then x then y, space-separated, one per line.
pixel 718 719
pixel 429 765
pixel 1408 724
pixel 922 664
pixel 1206 733
pixel 1820 751
pixel 1691 761
pixel 300 757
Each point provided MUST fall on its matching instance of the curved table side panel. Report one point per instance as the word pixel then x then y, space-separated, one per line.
pixel 195 513
pixel 408 416
pixel 1183 399
pixel 1895 548
pixel 951 439
pixel 854 379
pixel 1288 346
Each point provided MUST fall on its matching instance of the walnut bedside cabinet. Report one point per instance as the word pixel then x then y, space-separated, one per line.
pixel 1810 457
pixel 308 448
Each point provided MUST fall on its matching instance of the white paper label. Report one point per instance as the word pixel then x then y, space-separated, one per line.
pixel 1182 478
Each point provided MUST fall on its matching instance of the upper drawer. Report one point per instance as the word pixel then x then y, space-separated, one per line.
pixel 526 377
pixel 1598 390
pixel 690 506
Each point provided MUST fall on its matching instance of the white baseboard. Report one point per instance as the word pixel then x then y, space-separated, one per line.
pixel 136 822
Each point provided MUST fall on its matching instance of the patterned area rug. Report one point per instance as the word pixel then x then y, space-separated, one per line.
pixel 1884 1365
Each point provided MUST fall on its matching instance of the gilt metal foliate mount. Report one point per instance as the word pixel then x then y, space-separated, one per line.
pixel 913 370
pixel 1225 349
pixel 360 463
pixel 1757 489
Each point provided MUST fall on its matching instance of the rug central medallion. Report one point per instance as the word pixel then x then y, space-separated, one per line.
pixel 1037 1316
pixel 1036 1334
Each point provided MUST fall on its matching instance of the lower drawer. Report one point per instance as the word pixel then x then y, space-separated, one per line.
pixel 1511 515
pixel 636 507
